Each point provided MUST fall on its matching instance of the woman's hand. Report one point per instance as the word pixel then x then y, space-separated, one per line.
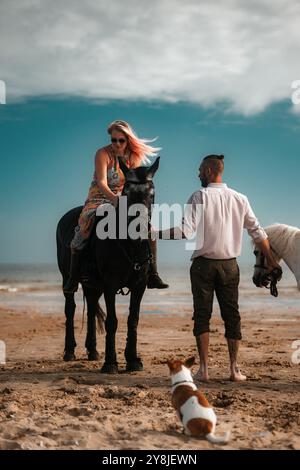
pixel 154 233
pixel 114 200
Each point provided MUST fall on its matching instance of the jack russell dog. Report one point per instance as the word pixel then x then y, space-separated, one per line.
pixel 194 411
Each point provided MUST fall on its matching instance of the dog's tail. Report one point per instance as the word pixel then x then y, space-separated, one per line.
pixel 218 440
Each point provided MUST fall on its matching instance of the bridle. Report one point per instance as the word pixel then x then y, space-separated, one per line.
pixel 270 277
pixel 136 265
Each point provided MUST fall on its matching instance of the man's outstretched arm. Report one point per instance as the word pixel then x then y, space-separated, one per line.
pixel 259 236
pixel 190 221
pixel 173 233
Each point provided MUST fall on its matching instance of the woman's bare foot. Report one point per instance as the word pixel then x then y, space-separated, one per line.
pixel 201 376
pixel 236 375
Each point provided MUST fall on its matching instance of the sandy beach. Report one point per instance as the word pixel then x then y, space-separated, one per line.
pixel 46 403
pixel 149 144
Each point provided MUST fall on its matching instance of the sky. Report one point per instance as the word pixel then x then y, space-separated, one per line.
pixel 201 77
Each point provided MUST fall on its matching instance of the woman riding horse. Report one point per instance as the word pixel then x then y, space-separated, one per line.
pixel 106 187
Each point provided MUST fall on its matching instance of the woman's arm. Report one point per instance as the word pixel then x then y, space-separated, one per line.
pixel 101 164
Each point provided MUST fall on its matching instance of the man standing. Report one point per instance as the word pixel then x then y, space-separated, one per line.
pixel 225 213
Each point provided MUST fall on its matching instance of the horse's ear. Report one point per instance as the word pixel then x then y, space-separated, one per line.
pixel 123 167
pixel 190 362
pixel 153 168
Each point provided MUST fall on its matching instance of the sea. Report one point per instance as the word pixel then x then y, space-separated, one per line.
pixel 38 288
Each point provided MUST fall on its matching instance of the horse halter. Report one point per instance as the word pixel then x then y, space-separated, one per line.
pixel 271 277
pixel 137 266
pixel 133 262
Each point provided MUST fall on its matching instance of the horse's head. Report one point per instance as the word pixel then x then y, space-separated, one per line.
pixel 139 191
pixel 262 276
pixel 260 269
pixel 139 187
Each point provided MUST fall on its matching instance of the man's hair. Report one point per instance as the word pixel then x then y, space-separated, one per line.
pixel 215 163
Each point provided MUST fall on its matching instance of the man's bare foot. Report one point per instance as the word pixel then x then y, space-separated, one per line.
pixel 201 376
pixel 237 376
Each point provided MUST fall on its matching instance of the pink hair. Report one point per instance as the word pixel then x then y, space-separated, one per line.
pixel 139 147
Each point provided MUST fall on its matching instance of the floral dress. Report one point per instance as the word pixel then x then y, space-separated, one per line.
pixel 115 182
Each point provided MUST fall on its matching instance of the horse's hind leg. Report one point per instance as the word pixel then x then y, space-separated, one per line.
pixel 70 343
pixel 92 297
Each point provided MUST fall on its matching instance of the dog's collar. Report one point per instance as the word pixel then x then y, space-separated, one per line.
pixel 192 384
pixel 182 382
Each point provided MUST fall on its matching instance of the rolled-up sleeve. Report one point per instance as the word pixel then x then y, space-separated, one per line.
pixel 252 225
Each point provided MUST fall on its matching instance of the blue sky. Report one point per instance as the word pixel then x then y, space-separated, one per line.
pixel 48 147
pixel 70 72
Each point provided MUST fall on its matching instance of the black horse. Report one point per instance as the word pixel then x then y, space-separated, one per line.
pixel 113 264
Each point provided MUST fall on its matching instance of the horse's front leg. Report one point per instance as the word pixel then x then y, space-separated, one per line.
pixel 70 343
pixel 92 298
pixel 133 362
pixel 110 365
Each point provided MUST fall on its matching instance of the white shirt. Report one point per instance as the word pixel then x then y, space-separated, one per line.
pixel 225 213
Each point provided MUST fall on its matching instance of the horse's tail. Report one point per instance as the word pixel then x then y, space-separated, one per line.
pixel 101 317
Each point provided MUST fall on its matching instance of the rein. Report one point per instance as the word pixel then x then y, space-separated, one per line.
pixel 271 277
pixel 137 266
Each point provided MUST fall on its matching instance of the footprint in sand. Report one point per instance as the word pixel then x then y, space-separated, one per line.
pixel 80 411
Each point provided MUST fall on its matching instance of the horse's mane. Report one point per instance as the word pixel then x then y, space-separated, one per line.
pixel 281 238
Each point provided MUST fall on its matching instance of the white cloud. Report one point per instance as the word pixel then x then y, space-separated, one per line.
pixel 245 53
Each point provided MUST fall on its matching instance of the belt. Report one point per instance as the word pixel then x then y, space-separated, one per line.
pixel 215 259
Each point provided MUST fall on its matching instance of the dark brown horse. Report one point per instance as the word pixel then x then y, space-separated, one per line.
pixel 113 264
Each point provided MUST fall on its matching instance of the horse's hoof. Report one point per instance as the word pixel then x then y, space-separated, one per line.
pixel 69 356
pixel 93 355
pixel 109 368
pixel 135 365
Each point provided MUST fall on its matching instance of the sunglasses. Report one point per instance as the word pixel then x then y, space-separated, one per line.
pixel 115 140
